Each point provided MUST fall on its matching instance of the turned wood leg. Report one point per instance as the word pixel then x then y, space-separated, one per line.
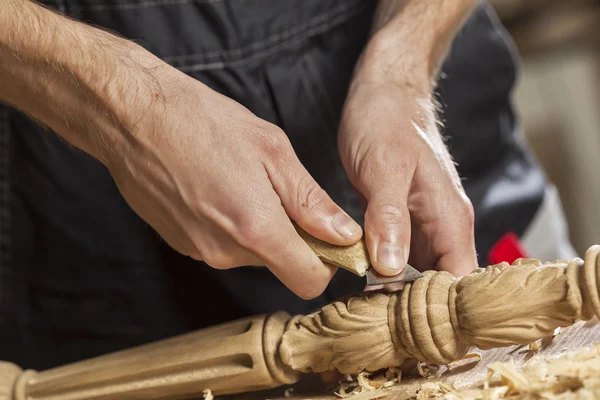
pixel 437 318
pixel 235 357
pixel 434 319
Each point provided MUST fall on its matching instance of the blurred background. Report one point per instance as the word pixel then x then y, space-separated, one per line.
pixel 558 99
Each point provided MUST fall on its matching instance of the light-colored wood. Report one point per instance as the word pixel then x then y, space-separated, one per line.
pixel 235 357
pixel 354 258
pixel 465 376
pixel 435 319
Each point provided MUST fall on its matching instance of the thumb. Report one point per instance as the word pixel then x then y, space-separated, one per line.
pixel 387 218
pixel 387 231
pixel 306 202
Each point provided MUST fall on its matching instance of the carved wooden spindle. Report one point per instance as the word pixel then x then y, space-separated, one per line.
pixel 437 318
pixel 434 319
pixel 235 357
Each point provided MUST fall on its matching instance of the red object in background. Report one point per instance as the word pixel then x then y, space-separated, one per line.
pixel 508 248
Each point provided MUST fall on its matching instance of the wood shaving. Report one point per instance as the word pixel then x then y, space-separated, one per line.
pixel 556 332
pixel 427 371
pixel 357 392
pixel 369 386
pixel 364 382
pixel 535 346
pixel 437 390
pixel 289 392
pixel 345 389
pixel 514 380
pixel 467 356
pixel 570 376
pixel 207 394
pixel 392 376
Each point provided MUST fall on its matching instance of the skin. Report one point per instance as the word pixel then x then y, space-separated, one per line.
pixel 416 207
pixel 185 157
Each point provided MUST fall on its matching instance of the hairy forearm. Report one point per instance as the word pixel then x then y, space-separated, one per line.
pixel 73 78
pixel 410 39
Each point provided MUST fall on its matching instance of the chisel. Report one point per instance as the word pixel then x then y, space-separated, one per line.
pixel 355 258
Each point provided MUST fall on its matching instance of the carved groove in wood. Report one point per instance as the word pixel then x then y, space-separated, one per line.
pixel 435 319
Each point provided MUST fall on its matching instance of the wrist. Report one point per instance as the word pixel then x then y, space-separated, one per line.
pixel 409 42
pixel 390 59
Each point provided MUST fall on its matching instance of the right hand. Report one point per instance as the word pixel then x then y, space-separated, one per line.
pixel 220 185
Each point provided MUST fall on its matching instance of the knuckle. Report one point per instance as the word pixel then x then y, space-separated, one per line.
pixel 392 213
pixel 218 260
pixel 273 141
pixel 388 160
pixel 256 231
pixel 310 195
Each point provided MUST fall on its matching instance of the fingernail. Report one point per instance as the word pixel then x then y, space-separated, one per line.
pixel 345 226
pixel 391 257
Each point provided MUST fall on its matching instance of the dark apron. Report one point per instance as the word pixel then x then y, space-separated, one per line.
pixel 82 275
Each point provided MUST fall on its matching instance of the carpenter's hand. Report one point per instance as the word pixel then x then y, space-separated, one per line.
pixel 216 182
pixel 417 210
pixel 220 185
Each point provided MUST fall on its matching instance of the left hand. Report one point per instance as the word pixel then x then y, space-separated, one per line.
pixel 417 210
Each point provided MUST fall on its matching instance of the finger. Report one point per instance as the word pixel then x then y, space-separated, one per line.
pixel 290 259
pixel 213 246
pixel 257 221
pixel 456 238
pixel 304 200
pixel 229 260
pixel 220 251
pixel 446 222
pixel 201 243
pixel 386 183
pixel 452 237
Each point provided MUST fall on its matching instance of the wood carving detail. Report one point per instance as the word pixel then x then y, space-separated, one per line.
pixel 328 339
pixel 437 318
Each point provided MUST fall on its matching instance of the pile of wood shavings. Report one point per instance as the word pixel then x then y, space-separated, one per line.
pixel 369 386
pixel 570 376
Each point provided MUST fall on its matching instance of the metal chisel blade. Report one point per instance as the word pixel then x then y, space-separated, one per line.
pixel 355 258
pixel 408 274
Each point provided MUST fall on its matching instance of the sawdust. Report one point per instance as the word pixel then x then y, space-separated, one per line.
pixel 470 357
pixel 574 375
pixel 570 376
pixel 427 371
pixel 369 385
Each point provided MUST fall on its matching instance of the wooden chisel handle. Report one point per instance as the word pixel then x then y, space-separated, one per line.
pixel 353 258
